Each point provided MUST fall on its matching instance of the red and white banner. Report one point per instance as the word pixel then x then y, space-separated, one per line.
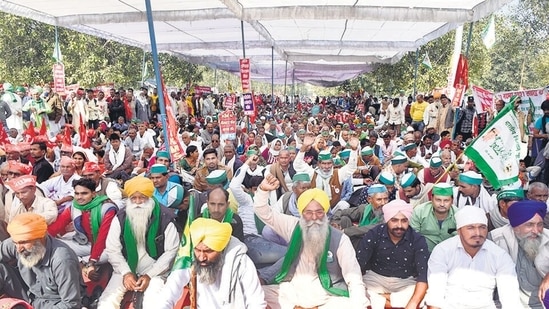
pixel 229 102
pixel 227 125
pixel 245 74
pixel 59 78
pixel 458 95
pixel 199 90
pixel 484 99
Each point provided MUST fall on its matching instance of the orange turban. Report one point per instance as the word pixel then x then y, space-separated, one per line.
pixel 139 184
pixel 27 226
pixel 212 233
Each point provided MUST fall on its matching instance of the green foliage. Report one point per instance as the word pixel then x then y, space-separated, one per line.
pixel 26 48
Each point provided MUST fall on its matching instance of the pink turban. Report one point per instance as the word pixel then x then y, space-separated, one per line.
pixel 392 208
pixel 67 161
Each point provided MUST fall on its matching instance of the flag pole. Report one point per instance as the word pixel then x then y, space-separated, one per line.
pixel 156 65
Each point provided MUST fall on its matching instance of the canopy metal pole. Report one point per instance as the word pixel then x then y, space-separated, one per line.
pixel 57 47
pixel 156 64
pixel 272 77
pixel 285 80
pixel 415 71
pixel 469 38
pixel 243 41
pixel 293 88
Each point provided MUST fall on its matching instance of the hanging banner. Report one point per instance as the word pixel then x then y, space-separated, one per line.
pixel 248 104
pixel 536 95
pixel 228 103
pixel 199 90
pixel 484 99
pixel 245 74
pixel 458 95
pixel 59 78
pixel 227 125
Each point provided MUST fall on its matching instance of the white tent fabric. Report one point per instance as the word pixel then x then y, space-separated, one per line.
pixel 323 42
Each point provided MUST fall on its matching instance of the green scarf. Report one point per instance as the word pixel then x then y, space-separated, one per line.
pixel 368 212
pixel 295 248
pixel 228 215
pixel 129 239
pixel 94 206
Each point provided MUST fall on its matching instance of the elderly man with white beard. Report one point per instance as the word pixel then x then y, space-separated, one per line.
pixel 141 246
pixel 320 269
pixel 48 272
pixel 523 238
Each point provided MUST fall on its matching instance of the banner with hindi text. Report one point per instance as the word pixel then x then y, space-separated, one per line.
pixel 496 151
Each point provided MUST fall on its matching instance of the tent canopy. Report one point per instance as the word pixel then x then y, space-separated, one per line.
pixel 322 42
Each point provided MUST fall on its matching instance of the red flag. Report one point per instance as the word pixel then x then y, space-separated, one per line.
pixel 30 133
pixel 82 132
pixel 67 139
pixel 462 73
pixel 3 135
pixel 175 149
pixel 43 128
pixel 128 110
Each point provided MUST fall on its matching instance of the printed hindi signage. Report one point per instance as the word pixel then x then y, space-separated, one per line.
pixel 229 102
pixel 59 78
pixel 458 95
pixel 245 74
pixel 248 104
pixel 199 90
pixel 227 125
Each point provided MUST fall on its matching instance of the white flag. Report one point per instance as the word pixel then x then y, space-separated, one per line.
pixel 426 61
pixel 57 53
pixel 489 33
pixel 496 151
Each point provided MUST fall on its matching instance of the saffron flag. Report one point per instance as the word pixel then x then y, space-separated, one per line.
pixel 173 144
pixel 496 151
pixel 489 33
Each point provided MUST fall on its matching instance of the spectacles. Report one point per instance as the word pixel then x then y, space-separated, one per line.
pixel 214 140
pixel 318 213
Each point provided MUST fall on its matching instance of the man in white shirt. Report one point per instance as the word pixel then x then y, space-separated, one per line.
pixel 26 200
pixel 59 188
pixel 465 270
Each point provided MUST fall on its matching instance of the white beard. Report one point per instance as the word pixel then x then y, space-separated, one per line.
pixel 139 215
pixel 33 256
pixel 314 239
pixel 530 246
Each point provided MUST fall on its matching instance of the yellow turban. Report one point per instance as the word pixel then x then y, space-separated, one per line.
pixel 139 184
pixel 27 226
pixel 313 194
pixel 210 232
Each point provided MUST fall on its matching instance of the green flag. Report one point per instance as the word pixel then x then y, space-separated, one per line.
pixel 489 33
pixel 426 61
pixel 57 53
pixel 496 151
